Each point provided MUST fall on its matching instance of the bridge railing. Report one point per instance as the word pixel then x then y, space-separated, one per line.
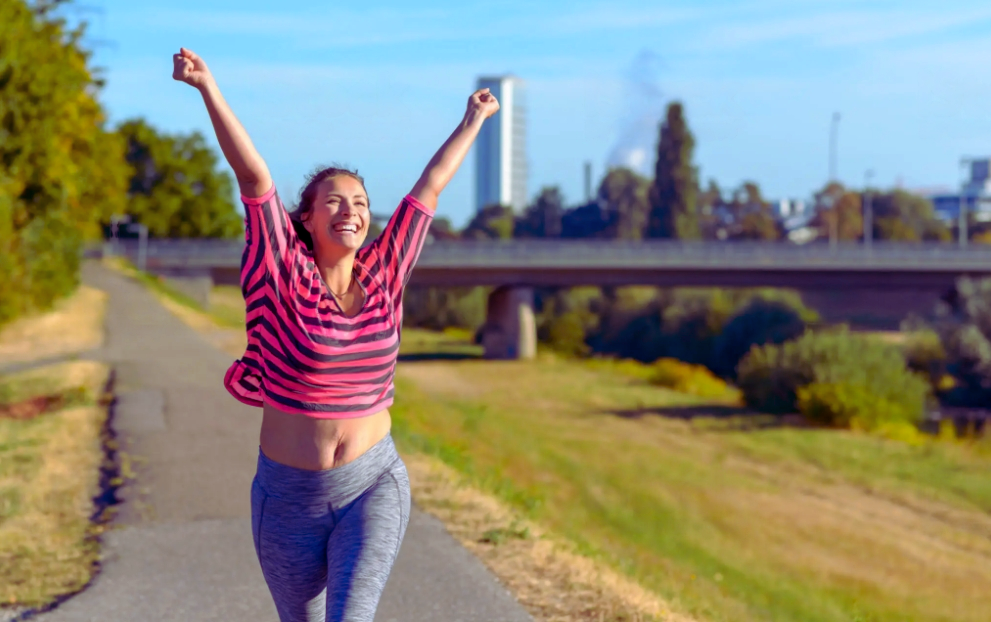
pixel 617 254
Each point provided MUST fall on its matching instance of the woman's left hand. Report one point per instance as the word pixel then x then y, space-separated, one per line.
pixel 483 102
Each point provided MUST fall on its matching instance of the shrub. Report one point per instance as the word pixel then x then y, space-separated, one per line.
pixel 691 325
pixel 849 371
pixel 566 334
pixel 848 405
pixel 437 308
pixel 688 378
pixel 925 355
pixel 760 322
pixel 965 330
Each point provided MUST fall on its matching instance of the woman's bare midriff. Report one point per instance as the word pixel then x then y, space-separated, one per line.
pixel 318 444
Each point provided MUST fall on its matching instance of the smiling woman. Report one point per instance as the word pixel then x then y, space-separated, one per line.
pixel 331 497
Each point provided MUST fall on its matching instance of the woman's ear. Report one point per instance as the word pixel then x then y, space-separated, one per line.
pixel 305 220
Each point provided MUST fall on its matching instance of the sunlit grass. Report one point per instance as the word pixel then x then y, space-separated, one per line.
pixel 50 463
pixel 768 523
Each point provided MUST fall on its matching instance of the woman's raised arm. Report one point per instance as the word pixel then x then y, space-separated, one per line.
pixel 250 170
pixel 447 160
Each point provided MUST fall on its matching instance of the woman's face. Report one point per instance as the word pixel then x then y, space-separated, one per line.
pixel 339 215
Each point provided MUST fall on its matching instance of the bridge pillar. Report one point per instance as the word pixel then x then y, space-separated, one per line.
pixel 510 330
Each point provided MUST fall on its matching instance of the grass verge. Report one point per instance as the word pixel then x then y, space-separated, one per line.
pixel 50 468
pixel 52 419
pixel 74 325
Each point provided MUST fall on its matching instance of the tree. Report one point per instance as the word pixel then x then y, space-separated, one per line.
pixel 587 221
pixel 752 216
pixel 711 224
pixel 176 189
pixel 542 219
pixel 623 194
pixel 492 222
pixel 673 195
pixel 442 229
pixel 832 202
pixel 900 215
pixel 61 171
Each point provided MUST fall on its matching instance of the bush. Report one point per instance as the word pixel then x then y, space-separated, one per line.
pixel 687 378
pixel 438 308
pixel 566 334
pixel 925 355
pixel 965 330
pixel 760 322
pixel 848 405
pixel 842 378
pixel 691 325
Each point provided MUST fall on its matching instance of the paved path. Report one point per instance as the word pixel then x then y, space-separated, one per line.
pixel 181 548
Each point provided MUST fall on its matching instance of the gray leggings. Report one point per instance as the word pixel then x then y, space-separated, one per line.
pixel 327 540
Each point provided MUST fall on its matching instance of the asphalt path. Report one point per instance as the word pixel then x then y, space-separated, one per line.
pixel 181 547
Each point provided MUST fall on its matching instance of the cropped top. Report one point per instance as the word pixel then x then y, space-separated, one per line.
pixel 304 355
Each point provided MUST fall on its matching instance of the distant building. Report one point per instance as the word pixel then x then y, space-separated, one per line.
pixel 975 193
pixel 500 150
pixel 788 208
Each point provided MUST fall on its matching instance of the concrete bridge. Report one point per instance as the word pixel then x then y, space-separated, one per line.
pixel 875 286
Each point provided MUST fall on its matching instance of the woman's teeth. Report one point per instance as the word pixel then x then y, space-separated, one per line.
pixel 346 227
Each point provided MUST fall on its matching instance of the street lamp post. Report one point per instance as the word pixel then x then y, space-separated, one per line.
pixel 834 225
pixel 962 215
pixel 868 212
pixel 834 129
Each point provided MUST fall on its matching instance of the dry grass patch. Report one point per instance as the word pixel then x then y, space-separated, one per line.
pixel 74 325
pixel 546 575
pixel 49 475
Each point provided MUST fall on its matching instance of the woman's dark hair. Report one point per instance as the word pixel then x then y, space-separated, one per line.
pixel 309 192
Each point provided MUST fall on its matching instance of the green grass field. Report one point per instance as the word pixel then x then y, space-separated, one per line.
pixel 730 516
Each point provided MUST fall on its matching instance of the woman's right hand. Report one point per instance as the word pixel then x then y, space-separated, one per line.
pixel 190 68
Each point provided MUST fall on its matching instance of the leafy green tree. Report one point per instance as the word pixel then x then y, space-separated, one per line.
pixel 61 171
pixel 442 229
pixel 492 222
pixel 623 194
pixel 901 215
pixel 176 188
pixel 673 196
pixel 710 204
pixel 542 219
pixel 754 219
pixel 834 202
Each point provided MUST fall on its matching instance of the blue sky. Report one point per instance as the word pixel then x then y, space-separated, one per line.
pixel 380 85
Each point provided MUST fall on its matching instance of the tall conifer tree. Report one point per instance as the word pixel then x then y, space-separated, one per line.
pixel 674 194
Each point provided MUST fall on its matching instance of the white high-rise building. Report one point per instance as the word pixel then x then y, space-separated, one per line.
pixel 500 150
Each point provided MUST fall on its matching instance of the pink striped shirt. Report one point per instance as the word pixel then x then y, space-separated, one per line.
pixel 304 354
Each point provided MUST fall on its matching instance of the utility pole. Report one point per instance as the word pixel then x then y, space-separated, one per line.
pixel 834 129
pixel 962 216
pixel 834 225
pixel 588 182
pixel 868 212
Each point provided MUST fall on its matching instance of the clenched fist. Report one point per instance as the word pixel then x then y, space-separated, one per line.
pixel 190 68
pixel 483 103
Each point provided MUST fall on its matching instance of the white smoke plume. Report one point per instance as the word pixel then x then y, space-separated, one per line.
pixel 644 108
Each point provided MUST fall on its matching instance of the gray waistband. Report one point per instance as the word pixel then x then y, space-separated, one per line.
pixel 335 486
